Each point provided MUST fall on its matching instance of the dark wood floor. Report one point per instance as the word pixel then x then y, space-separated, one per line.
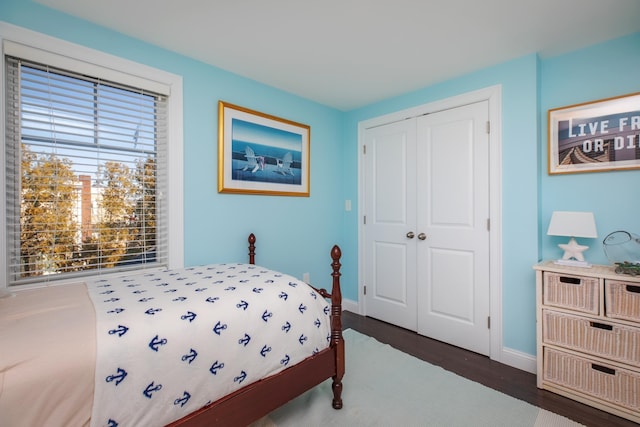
pixel 508 380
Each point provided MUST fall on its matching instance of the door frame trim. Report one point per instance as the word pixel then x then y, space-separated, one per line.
pixel 493 95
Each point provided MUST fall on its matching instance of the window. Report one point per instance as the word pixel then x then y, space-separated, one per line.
pixel 86 171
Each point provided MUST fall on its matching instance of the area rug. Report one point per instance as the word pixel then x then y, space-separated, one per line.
pixel 385 387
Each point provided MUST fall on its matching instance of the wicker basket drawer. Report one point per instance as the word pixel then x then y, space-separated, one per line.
pixel 572 292
pixel 615 342
pixel 622 300
pixel 616 386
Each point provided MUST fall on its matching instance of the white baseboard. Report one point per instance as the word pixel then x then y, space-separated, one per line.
pixel 350 305
pixel 519 360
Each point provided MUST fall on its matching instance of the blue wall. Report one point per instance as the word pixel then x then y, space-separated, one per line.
pixel 295 234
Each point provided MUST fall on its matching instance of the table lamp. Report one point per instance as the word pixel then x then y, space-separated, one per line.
pixel 573 224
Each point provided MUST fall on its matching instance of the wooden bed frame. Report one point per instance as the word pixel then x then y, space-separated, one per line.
pixel 256 400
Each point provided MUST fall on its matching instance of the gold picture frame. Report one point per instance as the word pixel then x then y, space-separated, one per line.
pixel 596 136
pixel 262 154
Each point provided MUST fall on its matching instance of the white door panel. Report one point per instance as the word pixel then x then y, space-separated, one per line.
pixel 390 214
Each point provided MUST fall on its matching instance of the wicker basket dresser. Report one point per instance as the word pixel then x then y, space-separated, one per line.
pixel 588 336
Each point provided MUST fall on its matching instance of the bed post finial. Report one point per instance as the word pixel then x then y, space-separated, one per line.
pixel 252 248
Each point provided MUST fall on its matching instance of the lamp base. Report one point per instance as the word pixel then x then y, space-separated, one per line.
pixel 573 263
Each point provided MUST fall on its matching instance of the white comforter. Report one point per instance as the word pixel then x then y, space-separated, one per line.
pixel 170 342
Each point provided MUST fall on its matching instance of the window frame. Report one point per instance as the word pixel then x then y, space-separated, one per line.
pixel 39 47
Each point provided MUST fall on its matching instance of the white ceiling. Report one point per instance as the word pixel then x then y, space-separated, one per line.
pixel 349 53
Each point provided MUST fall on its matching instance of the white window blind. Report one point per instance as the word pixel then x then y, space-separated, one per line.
pixel 86 166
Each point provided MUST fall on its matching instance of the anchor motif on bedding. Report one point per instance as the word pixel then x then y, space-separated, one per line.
pixel 107 292
pixel 182 400
pixel 153 311
pixel 162 284
pixel 230 288
pixel 120 330
pixel 142 291
pixel 201 289
pixel 219 328
pixel 245 340
pixel 285 360
pixel 293 284
pixel 156 342
pixel 266 315
pixel 317 323
pixel 212 299
pixel 216 367
pixel 147 299
pixel 258 290
pixel 112 423
pixel 313 295
pixel 190 316
pixel 116 310
pixel 283 295
pixel 326 309
pixel 286 327
pixel 302 308
pixel 269 281
pixel 151 388
pixel 114 299
pixel 117 378
pixel 242 304
pixel 265 350
pixel 133 285
pixel 168 291
pixel 179 299
pixel 190 357
pixel 302 339
pixel 240 378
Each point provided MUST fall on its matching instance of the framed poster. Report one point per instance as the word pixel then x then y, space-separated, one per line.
pixel 261 154
pixel 595 136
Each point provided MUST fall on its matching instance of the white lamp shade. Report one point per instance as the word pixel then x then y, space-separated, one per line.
pixel 572 224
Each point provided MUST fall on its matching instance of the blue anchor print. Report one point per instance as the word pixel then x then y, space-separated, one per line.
pixel 313 295
pixel 265 350
pixel 242 304
pixel 116 310
pixel 315 351
pixel 153 311
pixel 286 360
pixel 230 288
pixel 179 299
pixel 266 315
pixel 156 342
pixel 257 290
pixel 286 327
pixel 293 284
pixel 134 285
pixel 317 323
pixel 284 295
pixel 240 378
pixel 162 284
pixel 127 280
pixel 302 308
pixel 201 289
pixel 191 283
pixel 169 291
pixel 190 316
pixel 107 292
pixel 151 388
pixel 120 331
pixel 112 300
pixel 244 281
pixel 219 328
pixel 142 291
pixel 216 367
pixel 269 281
pixel 190 357
pixel 302 339
pixel 182 400
pixel 112 423
pixel 212 299
pixel 146 299
pixel 244 340
pixel 117 378
pixel 326 310
pixel 181 278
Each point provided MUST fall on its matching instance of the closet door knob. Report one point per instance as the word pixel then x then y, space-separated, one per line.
pixel 410 235
pixel 422 236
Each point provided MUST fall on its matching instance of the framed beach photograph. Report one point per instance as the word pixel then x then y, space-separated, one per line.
pixel 596 136
pixel 261 154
